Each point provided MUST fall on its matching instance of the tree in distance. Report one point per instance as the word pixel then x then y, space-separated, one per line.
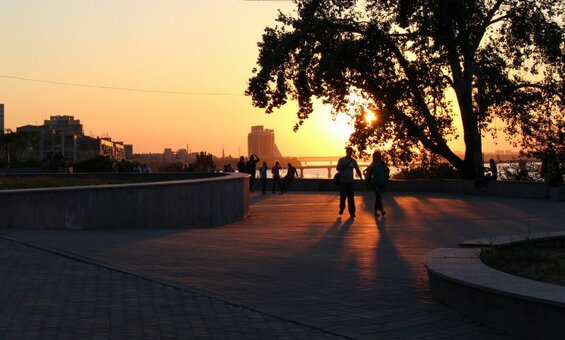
pixel 418 65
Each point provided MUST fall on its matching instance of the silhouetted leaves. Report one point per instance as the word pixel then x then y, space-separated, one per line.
pixel 501 59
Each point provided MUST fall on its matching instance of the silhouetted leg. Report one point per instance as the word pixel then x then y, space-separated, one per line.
pixel 351 198
pixel 342 196
pixel 378 198
pixel 275 182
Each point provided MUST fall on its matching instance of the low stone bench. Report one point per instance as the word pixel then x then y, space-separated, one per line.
pixel 522 307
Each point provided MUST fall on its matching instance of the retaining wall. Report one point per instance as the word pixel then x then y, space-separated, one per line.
pixel 184 203
pixel 495 188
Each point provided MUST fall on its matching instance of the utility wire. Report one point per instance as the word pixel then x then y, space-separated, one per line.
pixel 52 82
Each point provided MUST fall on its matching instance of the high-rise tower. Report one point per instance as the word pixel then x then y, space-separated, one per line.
pixel 261 142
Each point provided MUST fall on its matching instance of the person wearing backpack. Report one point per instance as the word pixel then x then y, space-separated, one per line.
pixel 378 175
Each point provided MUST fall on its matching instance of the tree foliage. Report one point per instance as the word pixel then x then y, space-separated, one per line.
pixel 95 164
pixel 204 162
pixel 420 65
pixel 12 145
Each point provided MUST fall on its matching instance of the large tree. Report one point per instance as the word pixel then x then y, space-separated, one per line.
pixel 419 64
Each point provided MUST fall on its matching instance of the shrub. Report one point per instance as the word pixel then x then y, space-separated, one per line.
pixel 204 162
pixel 521 170
pixel 172 167
pixel 96 164
pixel 428 171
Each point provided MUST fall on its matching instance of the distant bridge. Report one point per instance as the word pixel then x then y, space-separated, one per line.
pixel 329 166
pixel 329 159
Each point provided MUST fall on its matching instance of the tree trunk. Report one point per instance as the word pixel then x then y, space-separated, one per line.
pixel 473 161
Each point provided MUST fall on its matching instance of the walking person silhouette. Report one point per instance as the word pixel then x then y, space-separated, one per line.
pixel 377 176
pixel 345 167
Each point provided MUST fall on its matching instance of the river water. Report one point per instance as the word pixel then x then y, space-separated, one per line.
pixel 322 172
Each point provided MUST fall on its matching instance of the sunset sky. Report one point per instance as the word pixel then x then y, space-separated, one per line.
pixel 203 47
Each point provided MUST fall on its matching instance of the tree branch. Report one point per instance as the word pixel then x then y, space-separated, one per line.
pixel 486 23
pixel 413 83
pixel 540 87
pixel 499 19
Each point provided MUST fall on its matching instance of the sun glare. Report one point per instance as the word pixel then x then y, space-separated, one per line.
pixel 370 117
pixel 342 127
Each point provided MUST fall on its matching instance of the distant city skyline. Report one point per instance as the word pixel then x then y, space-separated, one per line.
pixel 260 141
pixel 104 51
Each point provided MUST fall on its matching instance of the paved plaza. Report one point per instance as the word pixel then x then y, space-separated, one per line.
pixel 293 269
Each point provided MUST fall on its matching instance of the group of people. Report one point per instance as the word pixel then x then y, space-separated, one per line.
pixel 376 176
pixel 284 183
pixel 250 167
pixel 123 166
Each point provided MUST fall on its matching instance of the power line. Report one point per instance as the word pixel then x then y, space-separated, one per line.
pixel 52 82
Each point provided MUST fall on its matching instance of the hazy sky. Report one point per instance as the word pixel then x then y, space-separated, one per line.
pixel 196 46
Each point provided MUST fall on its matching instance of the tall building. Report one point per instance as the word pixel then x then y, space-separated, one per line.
pixel 1 118
pixel 128 150
pixel 64 125
pixel 64 135
pixel 168 155
pixel 261 142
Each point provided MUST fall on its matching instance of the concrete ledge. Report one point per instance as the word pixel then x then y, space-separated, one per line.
pixel 557 194
pixel 518 306
pixel 455 186
pixel 507 240
pixel 495 188
pixel 185 203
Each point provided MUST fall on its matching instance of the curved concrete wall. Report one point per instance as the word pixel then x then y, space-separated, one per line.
pixel 522 307
pixel 169 204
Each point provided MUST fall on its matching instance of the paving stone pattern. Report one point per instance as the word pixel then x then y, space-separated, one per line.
pixel 295 258
pixel 47 296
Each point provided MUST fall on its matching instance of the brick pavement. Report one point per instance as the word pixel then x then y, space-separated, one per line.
pixel 49 296
pixel 295 258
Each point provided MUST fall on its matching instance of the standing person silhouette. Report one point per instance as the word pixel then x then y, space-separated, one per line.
pixel 377 176
pixel 241 165
pixel 276 171
pixel 291 174
pixel 263 175
pixel 345 167
pixel 251 168
pixel 493 170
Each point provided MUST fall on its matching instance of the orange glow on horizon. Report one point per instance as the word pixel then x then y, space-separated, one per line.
pixel 197 47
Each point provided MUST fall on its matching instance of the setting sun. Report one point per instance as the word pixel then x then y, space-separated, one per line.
pixel 370 117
